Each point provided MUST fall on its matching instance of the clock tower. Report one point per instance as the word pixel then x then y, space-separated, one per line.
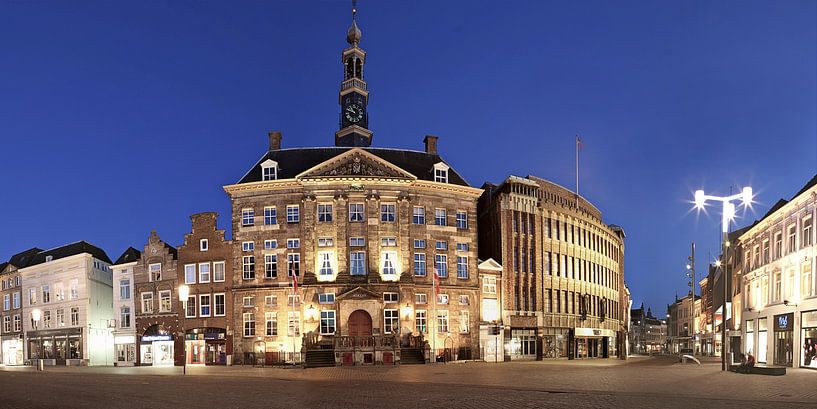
pixel 354 96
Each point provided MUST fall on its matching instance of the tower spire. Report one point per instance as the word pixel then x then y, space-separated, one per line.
pixel 354 95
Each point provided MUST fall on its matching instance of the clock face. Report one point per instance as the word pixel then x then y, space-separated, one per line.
pixel 354 113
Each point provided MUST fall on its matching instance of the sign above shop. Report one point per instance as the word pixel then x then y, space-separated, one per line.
pixel 152 338
pixel 784 322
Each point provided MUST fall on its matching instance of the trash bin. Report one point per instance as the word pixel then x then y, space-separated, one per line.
pixel 40 364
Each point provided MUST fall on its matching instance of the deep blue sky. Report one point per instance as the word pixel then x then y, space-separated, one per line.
pixel 119 118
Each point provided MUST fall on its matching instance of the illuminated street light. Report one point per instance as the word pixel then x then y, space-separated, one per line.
pixel 184 292
pixel 745 196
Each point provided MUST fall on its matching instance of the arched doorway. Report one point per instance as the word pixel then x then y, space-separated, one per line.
pixel 360 324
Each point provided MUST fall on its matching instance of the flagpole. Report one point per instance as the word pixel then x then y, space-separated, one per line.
pixel 433 351
pixel 577 171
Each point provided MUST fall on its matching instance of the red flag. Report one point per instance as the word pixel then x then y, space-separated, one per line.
pixel 579 143
pixel 294 282
pixel 436 281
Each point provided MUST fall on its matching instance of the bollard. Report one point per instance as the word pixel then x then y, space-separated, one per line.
pixel 40 365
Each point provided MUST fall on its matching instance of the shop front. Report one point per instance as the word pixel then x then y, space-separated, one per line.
pixel 12 350
pixel 156 347
pixel 784 339
pixel 206 346
pixel 522 344
pixel 808 336
pixel 593 343
pixel 56 347
pixel 554 343
pixel 125 350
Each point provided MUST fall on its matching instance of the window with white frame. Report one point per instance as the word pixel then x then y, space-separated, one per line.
pixel 327 322
pixel 419 244
pixel 356 212
pixel 270 244
pixel 464 300
pixel 294 323
pixel 61 317
pixel 439 217
pixel 420 321
pixel 219 304
pixel 18 322
pixel 248 267
pixel 147 303
pixel 269 170
pixel 357 261
pixel 442 321
pixel 326 242
pixel 155 271
pixel 189 273
pixel 778 245
pixel 270 216
pixel 326 298
pixel 357 241
pixel 325 260
pixel 293 300
pixel 391 321
pixel 293 214
pixel 389 263
pixel 792 243
pixel 462 267
pixel 247 217
pixel 248 302
pixel 441 245
pixel 465 321
pixel 249 324
pixel 441 265
pixel 46 293
pixel 387 212
pixel 442 299
pixel 293 264
pixel 204 245
pixel 293 243
pixel 204 272
pixel 462 247
pixel 218 271
pixel 418 215
pixel 16 299
pixel 388 241
pixel 391 298
pixel 805 238
pixel 247 246
pixel 271 321
pixel 124 289
pixel 204 305
pixel 271 301
pixel 270 266
pixel 489 285
pixel 441 172
pixel 421 298
pixel 165 301
pixel 420 264
pixel 73 287
pixel 462 220
pixel 32 296
pixel 324 213
pixel 6 302
pixel 124 316
pixel 7 324
pixel 46 319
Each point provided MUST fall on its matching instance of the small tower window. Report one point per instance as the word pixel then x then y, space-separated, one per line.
pixel 269 170
pixel 441 172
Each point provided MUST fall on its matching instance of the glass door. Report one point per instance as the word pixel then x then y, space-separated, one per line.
pixel 783 348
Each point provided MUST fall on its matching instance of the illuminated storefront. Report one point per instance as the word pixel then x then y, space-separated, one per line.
pixel 12 350
pixel 808 350
pixel 206 346
pixel 156 348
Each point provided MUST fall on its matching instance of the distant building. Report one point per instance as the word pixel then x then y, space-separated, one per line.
pixel 683 325
pixel 67 298
pixel 648 334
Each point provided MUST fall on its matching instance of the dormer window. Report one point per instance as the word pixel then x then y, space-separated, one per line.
pixel 441 172
pixel 269 170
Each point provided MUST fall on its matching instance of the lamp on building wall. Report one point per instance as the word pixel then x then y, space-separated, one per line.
pixel 311 313
pixel 184 292
pixel 728 213
pixel 407 310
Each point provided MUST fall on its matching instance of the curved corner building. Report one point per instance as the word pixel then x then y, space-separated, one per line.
pixel 563 293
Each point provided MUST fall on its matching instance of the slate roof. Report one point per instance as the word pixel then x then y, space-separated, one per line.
pixel 782 202
pixel 68 250
pixel 292 162
pixel 23 259
pixel 3 266
pixel 130 255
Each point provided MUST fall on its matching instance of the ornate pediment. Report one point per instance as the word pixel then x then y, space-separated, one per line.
pixel 356 163
pixel 359 293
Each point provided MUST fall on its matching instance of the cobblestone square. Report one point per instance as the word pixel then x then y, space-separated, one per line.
pixel 637 383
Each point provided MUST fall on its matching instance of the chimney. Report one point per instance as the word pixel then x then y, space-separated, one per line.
pixel 431 144
pixel 274 140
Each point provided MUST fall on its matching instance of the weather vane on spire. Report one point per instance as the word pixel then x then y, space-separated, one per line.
pixel 354 9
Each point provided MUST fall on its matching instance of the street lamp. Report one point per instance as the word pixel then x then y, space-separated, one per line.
pixel 728 213
pixel 36 314
pixel 184 292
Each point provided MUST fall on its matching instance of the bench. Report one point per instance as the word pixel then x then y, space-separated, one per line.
pixel 762 370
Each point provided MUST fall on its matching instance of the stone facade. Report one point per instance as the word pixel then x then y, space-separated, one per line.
pixel 563 278
pixel 353 204
pixel 157 311
pixel 206 261
pixel 11 315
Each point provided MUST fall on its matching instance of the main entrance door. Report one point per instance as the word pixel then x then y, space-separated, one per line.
pixel 360 324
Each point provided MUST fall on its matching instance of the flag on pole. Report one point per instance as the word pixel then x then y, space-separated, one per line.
pixel 436 282
pixel 294 281
pixel 579 143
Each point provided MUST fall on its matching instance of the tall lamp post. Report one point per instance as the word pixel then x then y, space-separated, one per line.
pixel 691 275
pixel 745 196
pixel 36 314
pixel 184 292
